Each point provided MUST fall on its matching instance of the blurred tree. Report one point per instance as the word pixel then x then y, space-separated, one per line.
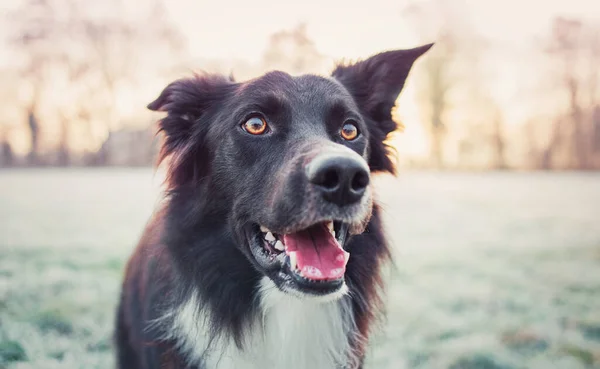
pixel 498 140
pixel 435 73
pixel 34 129
pixel 596 129
pixel 95 55
pixel 6 152
pixel 532 151
pixel 118 45
pixel 594 65
pixel 566 34
pixel 594 98
pixel 37 55
pixel 556 141
pixel 451 80
pixel 436 69
pixel 575 47
pixel 455 87
pixel 293 51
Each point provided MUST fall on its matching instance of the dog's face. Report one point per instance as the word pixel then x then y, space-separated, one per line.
pixel 287 160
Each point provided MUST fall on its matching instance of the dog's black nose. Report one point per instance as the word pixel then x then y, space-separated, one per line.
pixel 341 178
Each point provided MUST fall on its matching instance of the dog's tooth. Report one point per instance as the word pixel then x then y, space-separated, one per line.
pixel 330 226
pixel 293 259
pixel 264 229
pixel 279 245
pixel 269 236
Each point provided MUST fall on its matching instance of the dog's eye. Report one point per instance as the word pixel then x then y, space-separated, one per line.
pixel 349 131
pixel 255 126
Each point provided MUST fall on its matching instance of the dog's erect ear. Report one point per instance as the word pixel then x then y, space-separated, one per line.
pixel 186 102
pixel 375 84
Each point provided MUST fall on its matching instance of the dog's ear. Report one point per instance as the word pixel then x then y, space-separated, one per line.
pixel 187 101
pixel 375 84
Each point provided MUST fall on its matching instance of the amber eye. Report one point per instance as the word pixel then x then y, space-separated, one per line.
pixel 349 132
pixel 255 126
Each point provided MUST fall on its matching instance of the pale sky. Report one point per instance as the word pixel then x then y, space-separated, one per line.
pixel 343 28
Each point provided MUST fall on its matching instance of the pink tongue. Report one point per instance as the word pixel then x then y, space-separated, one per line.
pixel 318 255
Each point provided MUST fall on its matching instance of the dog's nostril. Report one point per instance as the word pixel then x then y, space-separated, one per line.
pixel 330 179
pixel 360 181
pixel 340 178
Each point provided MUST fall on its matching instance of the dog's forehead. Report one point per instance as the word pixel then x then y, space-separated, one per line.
pixel 313 89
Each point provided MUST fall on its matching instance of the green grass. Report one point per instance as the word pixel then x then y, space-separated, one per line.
pixel 474 288
pixel 58 308
pixel 11 351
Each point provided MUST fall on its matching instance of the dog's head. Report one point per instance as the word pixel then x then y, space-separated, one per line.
pixel 286 161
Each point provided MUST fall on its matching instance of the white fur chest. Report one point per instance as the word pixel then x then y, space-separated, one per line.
pixel 293 333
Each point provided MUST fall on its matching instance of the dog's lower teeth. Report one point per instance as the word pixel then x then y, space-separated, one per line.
pixel 279 246
pixel 293 260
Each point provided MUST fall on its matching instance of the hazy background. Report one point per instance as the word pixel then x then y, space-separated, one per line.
pixel 509 84
pixel 493 217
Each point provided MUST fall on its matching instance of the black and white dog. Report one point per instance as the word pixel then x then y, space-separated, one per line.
pixel 268 248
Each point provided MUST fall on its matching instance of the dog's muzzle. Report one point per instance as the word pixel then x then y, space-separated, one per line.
pixel 340 176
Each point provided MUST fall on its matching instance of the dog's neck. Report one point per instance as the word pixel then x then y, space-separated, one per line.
pixel 288 333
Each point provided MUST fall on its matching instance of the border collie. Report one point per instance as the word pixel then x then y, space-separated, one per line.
pixel 267 251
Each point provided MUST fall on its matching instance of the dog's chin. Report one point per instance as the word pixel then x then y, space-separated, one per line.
pixel 278 261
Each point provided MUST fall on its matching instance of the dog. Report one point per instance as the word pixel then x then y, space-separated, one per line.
pixel 267 251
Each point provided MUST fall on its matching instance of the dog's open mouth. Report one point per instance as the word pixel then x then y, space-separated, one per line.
pixel 311 260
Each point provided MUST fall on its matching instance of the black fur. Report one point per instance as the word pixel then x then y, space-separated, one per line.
pixel 221 181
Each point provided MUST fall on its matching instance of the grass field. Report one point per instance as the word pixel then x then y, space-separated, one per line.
pixel 493 271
